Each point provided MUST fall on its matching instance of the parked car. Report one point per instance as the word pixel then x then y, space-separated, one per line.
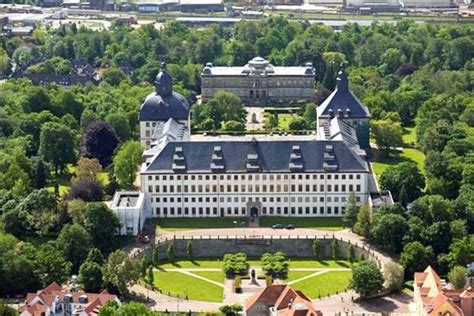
pixel 290 226
pixel 277 226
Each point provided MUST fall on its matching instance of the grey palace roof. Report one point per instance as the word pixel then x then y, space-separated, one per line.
pixel 164 103
pixel 258 66
pixel 255 156
pixel 342 102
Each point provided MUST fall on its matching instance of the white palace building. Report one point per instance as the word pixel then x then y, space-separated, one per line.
pixel 223 176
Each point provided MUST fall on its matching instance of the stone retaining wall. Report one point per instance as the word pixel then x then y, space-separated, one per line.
pixel 254 247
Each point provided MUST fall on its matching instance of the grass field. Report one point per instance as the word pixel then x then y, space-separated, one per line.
pixel 195 264
pixel 409 136
pixel 320 264
pixel 324 284
pixel 176 283
pixel 295 275
pixel 284 120
pixel 177 224
pixel 211 275
pixel 323 223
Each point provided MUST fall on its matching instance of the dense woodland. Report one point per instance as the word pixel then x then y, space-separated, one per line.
pixel 63 149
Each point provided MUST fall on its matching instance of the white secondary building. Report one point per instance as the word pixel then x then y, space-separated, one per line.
pixel 129 208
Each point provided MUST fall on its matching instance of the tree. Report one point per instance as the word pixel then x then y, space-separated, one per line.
pixel 461 251
pixel 40 173
pixel 231 310
pixel 271 121
pixel 114 76
pixel 144 265
pixel 120 271
pixel 387 134
pixel 6 310
pixel 457 277
pixel 150 277
pixel 96 256
pixel 51 264
pixel 394 276
pixel 189 250
pixel 309 115
pixel 170 253
pixel 155 256
pixel 119 122
pixel 90 276
pixel 352 255
pixel 366 279
pixel 37 212
pixel 351 211
pixel 126 163
pixel 404 174
pixel 364 222
pixel 336 251
pixel 414 257
pixel 86 190
pixel 100 141
pixel 317 249
pixel 87 169
pixel 275 265
pixel 75 242
pixel 297 124
pixel 57 145
pixel 75 210
pixel 388 230
pixel 101 223
pixel 391 60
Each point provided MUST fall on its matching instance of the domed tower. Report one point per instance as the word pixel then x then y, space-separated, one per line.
pixel 161 106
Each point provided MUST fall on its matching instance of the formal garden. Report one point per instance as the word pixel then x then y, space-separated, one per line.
pixel 207 279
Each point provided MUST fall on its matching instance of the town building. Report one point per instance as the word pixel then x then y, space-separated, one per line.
pixel 432 297
pixel 259 82
pixel 293 175
pixel 280 299
pixel 54 300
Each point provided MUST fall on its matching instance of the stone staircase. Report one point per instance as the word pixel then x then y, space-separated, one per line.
pixel 254 222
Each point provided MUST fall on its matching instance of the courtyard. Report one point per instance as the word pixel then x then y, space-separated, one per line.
pixel 204 279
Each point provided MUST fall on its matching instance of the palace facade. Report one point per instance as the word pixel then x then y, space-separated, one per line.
pixel 220 176
pixel 259 82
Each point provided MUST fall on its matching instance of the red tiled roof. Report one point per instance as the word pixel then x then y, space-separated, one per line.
pixel 286 300
pixel 49 294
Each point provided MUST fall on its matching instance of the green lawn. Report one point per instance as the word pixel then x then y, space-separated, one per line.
pixel 409 136
pixel 195 264
pixel 323 223
pixel 408 154
pixel 284 120
pixel 176 283
pixel 320 264
pixel 211 275
pixel 177 224
pixel 324 284
pixel 295 275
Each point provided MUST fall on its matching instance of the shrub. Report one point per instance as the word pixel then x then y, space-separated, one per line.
pixel 237 284
pixel 275 264
pixel 235 264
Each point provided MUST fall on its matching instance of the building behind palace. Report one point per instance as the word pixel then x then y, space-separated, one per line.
pixel 259 82
pixel 186 175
